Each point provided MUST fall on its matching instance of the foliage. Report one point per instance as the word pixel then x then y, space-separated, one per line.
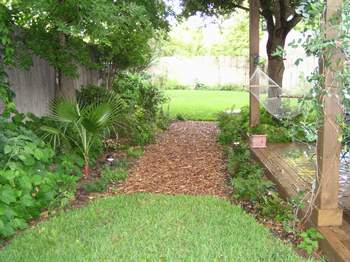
pixel 109 35
pixel 187 39
pixel 274 207
pixel 163 83
pixel 231 128
pixel 31 177
pixel 141 112
pixel 251 188
pixel 108 175
pixel 134 152
pixel 235 38
pixel 310 240
pixel 7 53
pixel 247 177
pixel 300 128
pixel 84 126
pixel 210 229
pixel 249 184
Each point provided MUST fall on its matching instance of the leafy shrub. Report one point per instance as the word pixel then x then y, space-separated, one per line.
pixel 238 156
pixel 91 94
pixel 169 84
pixel 31 178
pixel 299 128
pixel 251 188
pixel 230 128
pixel 180 117
pixel 141 114
pixel 310 240
pixel 274 207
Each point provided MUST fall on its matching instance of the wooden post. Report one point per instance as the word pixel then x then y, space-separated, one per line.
pixel 254 16
pixel 327 211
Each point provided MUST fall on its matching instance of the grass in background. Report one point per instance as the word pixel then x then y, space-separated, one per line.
pixel 203 104
pixel 145 227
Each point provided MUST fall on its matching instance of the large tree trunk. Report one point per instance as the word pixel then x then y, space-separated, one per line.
pixel 280 17
pixel 275 69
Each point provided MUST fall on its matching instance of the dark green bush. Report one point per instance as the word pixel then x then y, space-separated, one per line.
pixel 252 188
pixel 31 177
pixel 91 94
pixel 274 207
pixel 142 106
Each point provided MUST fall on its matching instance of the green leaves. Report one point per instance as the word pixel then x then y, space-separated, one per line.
pixel 29 178
pixel 84 125
pixel 7 195
pixel 310 240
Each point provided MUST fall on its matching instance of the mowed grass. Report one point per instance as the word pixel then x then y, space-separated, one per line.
pixel 203 104
pixel 145 227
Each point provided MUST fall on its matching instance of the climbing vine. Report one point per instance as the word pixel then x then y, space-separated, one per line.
pixel 6 57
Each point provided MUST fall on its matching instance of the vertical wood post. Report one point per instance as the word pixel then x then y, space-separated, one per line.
pixel 254 16
pixel 327 211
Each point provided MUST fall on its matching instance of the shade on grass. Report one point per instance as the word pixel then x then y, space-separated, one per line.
pixel 203 104
pixel 146 227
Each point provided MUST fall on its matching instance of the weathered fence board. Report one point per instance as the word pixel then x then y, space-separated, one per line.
pixel 35 87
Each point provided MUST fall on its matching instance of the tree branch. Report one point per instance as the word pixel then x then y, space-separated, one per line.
pixel 241 7
pixel 293 22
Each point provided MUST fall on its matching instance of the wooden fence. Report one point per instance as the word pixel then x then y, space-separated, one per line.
pixel 34 88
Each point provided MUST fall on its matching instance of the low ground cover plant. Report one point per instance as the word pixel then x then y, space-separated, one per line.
pixel 250 185
pixel 32 177
pixel 300 128
pixel 109 175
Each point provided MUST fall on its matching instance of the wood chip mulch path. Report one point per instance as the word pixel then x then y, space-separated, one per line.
pixel 185 160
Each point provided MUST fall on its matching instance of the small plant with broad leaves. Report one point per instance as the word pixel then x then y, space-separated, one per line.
pixel 310 240
pixel 31 177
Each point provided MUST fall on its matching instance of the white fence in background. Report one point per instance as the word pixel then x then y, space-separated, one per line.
pixel 211 70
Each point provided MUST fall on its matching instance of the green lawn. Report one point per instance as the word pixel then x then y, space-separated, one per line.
pixel 146 227
pixel 203 104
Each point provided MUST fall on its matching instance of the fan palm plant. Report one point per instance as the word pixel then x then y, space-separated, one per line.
pixel 83 125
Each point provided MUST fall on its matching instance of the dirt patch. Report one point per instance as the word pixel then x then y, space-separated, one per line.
pixel 185 160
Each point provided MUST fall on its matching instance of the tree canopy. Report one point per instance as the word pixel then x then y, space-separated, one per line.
pixel 118 31
pixel 103 34
pixel 226 36
pixel 280 17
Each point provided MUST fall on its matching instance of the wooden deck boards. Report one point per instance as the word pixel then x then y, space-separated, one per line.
pixel 292 172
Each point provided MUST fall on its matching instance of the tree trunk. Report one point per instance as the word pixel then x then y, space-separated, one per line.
pixel 275 69
pixel 65 85
pixel 110 75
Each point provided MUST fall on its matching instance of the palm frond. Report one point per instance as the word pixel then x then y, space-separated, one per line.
pixel 102 115
pixel 65 110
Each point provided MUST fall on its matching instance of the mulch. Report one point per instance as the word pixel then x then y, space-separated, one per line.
pixel 185 160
